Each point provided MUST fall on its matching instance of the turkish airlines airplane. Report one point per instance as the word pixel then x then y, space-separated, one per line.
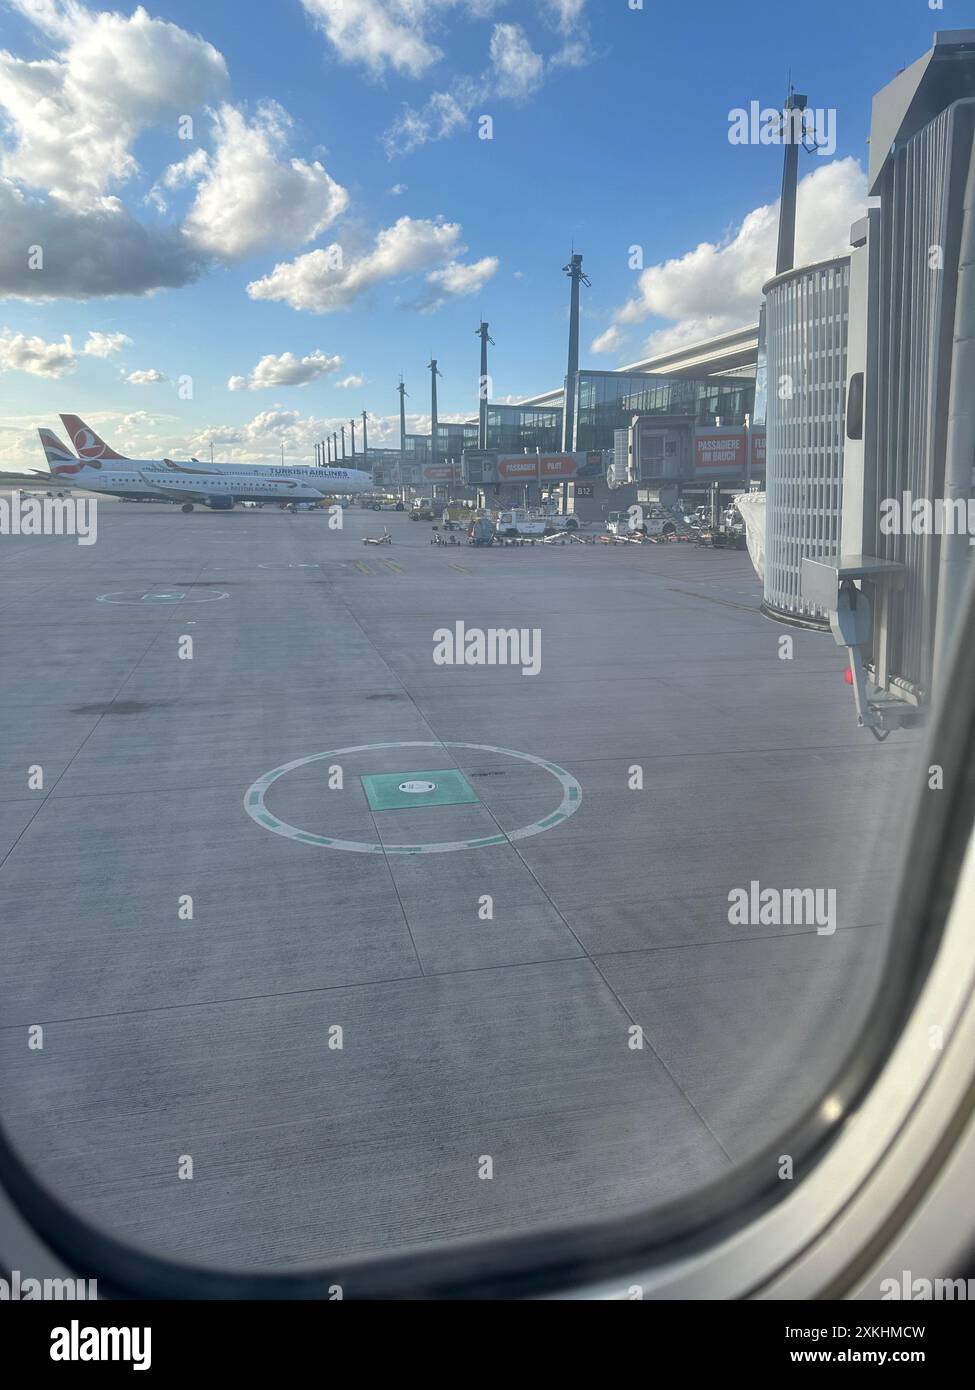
pixel 101 469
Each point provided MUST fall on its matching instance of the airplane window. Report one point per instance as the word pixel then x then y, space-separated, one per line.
pixel 557 885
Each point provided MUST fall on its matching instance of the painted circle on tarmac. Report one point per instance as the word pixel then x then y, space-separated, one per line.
pixel 158 596
pixel 256 809
pixel 283 565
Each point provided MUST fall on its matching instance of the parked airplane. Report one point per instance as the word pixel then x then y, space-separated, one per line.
pixel 216 488
pixel 220 493
pixel 93 452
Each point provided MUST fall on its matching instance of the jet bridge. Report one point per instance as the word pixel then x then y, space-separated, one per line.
pixel 892 593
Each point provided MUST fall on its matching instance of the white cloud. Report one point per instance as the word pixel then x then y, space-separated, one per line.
pixel 260 439
pixel 286 370
pixel 397 189
pixel 149 377
pixel 68 126
pixel 76 116
pixel 717 287
pixel 517 69
pixel 104 344
pixel 384 34
pixel 349 383
pixel 569 18
pixel 187 171
pixel 515 72
pixel 566 14
pixel 18 353
pixel 322 281
pixel 377 33
pixel 249 196
pixel 456 278
pixel 610 341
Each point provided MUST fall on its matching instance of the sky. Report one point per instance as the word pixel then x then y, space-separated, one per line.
pixel 239 223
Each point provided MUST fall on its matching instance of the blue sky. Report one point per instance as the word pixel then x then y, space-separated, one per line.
pixel 610 130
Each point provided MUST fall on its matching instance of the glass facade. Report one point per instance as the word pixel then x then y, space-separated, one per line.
pixel 453 439
pixel 606 401
pixel 514 428
pixel 417 449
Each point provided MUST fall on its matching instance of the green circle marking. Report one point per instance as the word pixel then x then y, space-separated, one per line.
pixel 256 809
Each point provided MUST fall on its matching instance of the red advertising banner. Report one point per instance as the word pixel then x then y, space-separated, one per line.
pixel 719 452
pixel 526 468
pixel 442 473
pixel 523 468
pixel 758 449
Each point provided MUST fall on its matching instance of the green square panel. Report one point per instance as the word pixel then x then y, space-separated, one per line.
pixel 393 791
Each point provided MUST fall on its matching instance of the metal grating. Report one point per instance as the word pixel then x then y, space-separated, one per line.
pixel 807 320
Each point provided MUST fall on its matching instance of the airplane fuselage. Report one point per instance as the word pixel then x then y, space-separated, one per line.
pixel 255 483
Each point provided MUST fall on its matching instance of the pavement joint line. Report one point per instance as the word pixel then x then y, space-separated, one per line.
pixel 711 943
pixel 219 1002
pixel 407 979
pixel 47 795
pixel 606 984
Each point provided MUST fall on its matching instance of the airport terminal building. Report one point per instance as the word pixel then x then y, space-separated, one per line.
pixel 685 418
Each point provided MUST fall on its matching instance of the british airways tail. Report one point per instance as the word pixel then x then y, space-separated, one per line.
pixel 59 457
pixel 91 448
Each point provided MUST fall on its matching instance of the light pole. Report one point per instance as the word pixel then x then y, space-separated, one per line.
pixel 482 414
pixel 434 373
pixel 578 277
pixel 785 256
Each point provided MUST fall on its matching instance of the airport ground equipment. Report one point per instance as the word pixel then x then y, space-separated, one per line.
pixel 481 531
pixel 457 514
pixel 384 539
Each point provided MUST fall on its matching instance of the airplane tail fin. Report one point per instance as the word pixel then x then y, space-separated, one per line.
pixel 91 448
pixel 59 457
